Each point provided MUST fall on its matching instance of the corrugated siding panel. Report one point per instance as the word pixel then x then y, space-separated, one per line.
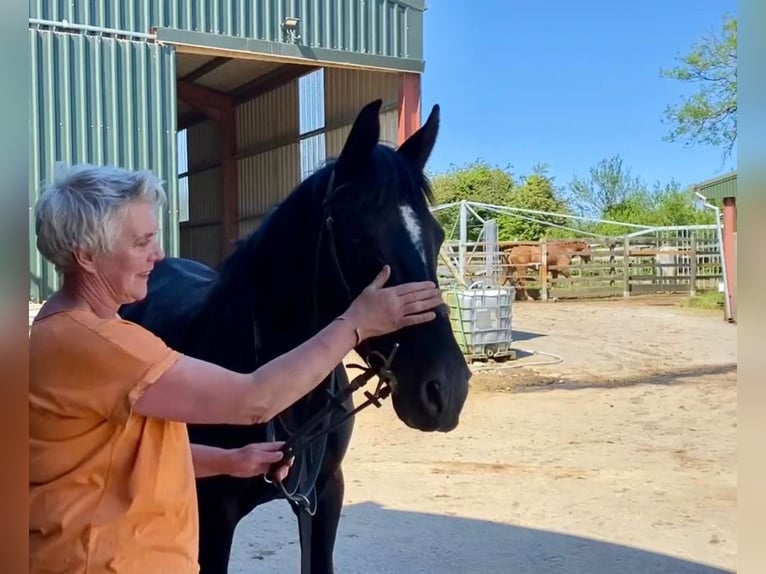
pixel 201 235
pixel 203 145
pixel 389 129
pixel 266 178
pixel 204 243
pixel 269 119
pixel 347 91
pixel 719 188
pixel 269 167
pixel 205 197
pixel 313 154
pixel 100 100
pixel 383 27
pixel 247 226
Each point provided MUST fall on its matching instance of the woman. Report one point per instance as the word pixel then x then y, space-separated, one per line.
pixel 112 471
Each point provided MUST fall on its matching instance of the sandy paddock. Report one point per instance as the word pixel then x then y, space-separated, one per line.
pixel 620 459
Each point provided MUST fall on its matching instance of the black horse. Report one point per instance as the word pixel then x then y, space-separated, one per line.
pixel 330 237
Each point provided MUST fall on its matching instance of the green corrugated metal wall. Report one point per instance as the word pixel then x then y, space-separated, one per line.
pixel 719 187
pixel 100 100
pixel 382 27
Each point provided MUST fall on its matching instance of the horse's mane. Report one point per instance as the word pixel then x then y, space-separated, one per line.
pixel 389 174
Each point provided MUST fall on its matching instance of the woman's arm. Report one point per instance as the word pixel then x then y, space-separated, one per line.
pixel 210 460
pixel 195 391
pixel 251 460
pixel 198 392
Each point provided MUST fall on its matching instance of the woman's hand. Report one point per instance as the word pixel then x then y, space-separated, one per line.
pixel 380 310
pixel 256 459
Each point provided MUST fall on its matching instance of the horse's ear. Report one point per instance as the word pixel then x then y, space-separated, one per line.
pixel 419 145
pixel 362 139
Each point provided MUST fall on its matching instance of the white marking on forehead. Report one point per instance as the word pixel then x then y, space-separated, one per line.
pixel 412 225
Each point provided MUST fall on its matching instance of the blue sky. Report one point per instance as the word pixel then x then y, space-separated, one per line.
pixel 564 83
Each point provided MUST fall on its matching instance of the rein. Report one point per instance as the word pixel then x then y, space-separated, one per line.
pixel 302 438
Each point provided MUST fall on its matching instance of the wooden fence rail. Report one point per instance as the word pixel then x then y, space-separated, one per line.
pixel 615 267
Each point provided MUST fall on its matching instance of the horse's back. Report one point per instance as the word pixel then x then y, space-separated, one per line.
pixel 522 254
pixel 176 291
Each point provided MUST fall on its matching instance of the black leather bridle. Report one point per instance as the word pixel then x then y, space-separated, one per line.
pixel 300 439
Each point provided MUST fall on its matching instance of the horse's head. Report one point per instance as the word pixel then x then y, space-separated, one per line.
pixel 581 248
pixel 584 251
pixel 378 201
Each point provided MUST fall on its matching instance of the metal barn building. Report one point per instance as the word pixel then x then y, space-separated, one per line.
pixel 231 102
pixel 723 189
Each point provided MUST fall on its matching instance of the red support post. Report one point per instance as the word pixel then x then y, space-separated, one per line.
pixel 729 250
pixel 409 105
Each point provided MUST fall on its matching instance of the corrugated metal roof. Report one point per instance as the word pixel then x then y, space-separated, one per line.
pixel 719 187
pixel 391 28
pixel 100 100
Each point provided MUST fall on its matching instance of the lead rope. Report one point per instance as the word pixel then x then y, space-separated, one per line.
pixel 295 497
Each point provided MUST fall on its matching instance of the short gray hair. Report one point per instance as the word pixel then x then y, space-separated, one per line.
pixel 80 207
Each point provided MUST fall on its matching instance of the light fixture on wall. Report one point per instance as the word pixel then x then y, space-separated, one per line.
pixel 290 26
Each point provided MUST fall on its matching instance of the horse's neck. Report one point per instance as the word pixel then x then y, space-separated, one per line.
pixel 267 295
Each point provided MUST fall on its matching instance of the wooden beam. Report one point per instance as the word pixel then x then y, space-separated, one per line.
pixel 188 119
pixel 221 108
pixel 270 81
pixel 207 101
pixel 205 69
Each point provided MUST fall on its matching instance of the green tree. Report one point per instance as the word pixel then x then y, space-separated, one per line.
pixel 637 208
pixel 612 193
pixel 609 184
pixel 536 192
pixel 476 181
pixel 709 115
pixel 674 206
pixel 482 183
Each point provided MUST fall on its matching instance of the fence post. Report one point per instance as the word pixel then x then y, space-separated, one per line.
pixel 693 265
pixel 463 239
pixel 544 269
pixel 626 266
pixel 491 252
pixel 612 271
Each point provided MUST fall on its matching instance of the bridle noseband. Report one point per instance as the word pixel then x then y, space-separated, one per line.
pixel 376 366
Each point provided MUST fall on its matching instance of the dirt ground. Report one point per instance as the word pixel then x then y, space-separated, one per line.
pixel 620 459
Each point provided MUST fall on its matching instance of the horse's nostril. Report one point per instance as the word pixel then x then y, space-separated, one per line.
pixel 433 397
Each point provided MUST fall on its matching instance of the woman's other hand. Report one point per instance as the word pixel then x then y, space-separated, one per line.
pixel 256 459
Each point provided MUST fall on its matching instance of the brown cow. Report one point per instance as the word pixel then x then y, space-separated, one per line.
pixel 519 258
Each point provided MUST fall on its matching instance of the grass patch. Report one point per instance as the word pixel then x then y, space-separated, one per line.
pixel 711 300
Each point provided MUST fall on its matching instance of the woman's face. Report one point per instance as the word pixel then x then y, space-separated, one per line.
pixel 124 271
